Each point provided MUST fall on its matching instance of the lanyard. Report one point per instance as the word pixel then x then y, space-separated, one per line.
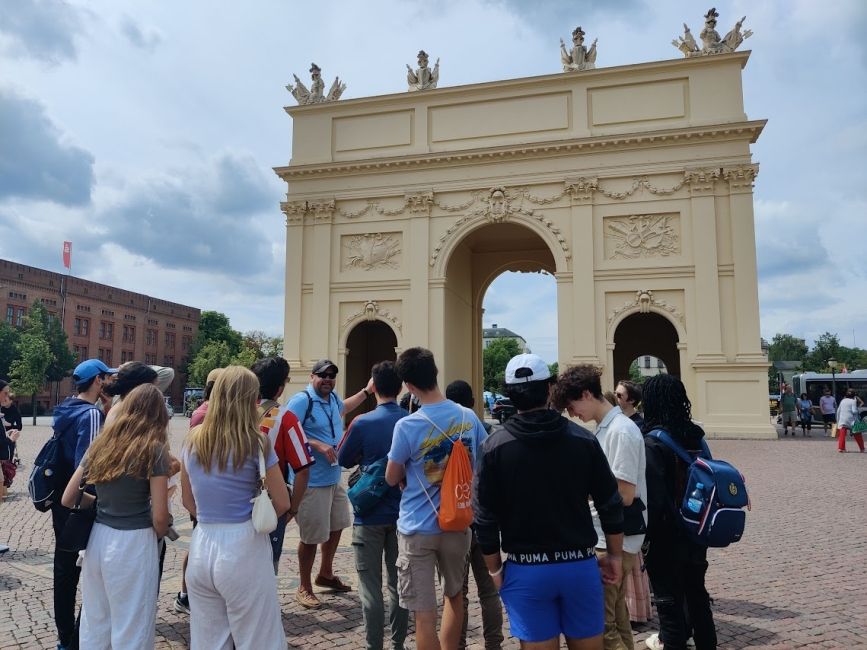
pixel 330 414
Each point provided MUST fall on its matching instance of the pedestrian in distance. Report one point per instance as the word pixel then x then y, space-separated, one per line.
pixel 828 409
pixel 374 533
pixel 530 500
pixel 77 422
pixel 676 565
pixel 805 408
pixel 579 392
pixel 789 408
pixel 8 439
pixel 847 415
pixel 324 513
pixel 129 466
pixel 198 415
pixel 628 396
pixel 230 575
pixel 422 448
pixel 460 392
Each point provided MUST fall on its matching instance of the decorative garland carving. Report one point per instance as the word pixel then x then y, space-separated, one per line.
pixel 644 300
pixel 371 311
pixel 373 250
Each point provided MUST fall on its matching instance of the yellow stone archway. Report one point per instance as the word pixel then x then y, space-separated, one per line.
pixel 632 185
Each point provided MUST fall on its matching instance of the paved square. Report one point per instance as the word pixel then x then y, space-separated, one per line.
pixel 798 579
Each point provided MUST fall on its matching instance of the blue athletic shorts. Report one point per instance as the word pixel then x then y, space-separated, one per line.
pixel 546 600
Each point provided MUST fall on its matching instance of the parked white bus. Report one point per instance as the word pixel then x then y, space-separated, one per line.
pixel 815 383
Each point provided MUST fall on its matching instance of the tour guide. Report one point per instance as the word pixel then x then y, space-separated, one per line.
pixel 324 511
pixel 550 583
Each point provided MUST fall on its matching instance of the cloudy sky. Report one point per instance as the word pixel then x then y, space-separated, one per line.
pixel 146 133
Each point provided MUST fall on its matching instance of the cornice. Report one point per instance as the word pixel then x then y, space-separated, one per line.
pixel 663 138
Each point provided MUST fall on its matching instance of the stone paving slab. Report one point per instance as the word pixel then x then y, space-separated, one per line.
pixel 798 579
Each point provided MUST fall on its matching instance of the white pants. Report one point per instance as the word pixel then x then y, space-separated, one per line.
pixel 119 586
pixel 232 589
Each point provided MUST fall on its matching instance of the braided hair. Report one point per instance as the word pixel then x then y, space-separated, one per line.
pixel 666 405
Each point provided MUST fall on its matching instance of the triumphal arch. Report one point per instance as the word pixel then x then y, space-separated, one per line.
pixel 631 185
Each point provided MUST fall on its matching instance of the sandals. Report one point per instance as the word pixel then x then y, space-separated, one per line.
pixel 306 599
pixel 334 583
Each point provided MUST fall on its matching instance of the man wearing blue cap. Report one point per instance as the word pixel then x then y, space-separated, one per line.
pixel 77 422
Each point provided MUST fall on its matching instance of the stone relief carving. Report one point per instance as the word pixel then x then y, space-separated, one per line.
pixel 422 78
pixel 579 57
pixel 711 43
pixel 294 211
pixel 372 251
pixel 701 181
pixel 372 311
pixel 321 211
pixel 418 202
pixel 643 300
pixel 642 236
pixel 316 95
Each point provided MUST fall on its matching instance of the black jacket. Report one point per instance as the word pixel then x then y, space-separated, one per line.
pixel 532 484
pixel 666 483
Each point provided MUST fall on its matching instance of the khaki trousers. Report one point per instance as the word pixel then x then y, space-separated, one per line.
pixel 618 631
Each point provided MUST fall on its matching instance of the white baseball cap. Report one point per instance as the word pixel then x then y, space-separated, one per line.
pixel 526 368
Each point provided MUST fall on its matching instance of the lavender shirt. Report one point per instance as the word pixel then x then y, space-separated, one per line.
pixel 224 497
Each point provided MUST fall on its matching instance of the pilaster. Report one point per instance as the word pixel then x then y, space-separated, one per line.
pixel 294 211
pixel 578 327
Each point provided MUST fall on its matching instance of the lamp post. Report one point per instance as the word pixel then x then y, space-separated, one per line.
pixel 832 364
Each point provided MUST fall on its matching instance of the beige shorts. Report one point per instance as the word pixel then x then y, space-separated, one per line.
pixel 417 557
pixel 323 509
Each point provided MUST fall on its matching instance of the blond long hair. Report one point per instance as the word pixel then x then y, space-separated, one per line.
pixel 231 426
pixel 131 444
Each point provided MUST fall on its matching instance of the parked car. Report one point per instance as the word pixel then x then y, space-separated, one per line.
pixel 503 409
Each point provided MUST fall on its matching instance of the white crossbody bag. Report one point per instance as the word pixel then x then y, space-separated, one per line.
pixel 264 515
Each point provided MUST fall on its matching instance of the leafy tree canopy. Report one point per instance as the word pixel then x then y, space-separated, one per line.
pixel 494 360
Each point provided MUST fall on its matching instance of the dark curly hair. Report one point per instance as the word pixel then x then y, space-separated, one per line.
pixel 666 405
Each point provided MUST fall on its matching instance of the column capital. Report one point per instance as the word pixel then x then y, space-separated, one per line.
pixel 321 211
pixel 419 203
pixel 701 180
pixel 581 189
pixel 741 177
pixel 294 211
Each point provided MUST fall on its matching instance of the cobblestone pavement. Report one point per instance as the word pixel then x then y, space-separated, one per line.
pixel 777 588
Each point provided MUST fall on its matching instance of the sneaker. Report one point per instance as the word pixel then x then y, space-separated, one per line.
pixel 653 642
pixel 182 604
pixel 306 599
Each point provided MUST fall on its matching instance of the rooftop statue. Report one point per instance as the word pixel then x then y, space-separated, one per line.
pixel 579 58
pixel 317 87
pixel 711 43
pixel 423 78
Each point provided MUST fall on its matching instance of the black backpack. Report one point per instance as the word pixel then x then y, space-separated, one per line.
pixel 49 476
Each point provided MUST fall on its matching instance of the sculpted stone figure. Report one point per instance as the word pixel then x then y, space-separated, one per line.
pixel 423 78
pixel 316 94
pixel 711 43
pixel 579 58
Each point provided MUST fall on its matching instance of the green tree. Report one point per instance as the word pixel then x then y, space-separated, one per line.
pixel 41 323
pixel 8 340
pixel 29 369
pixel 635 372
pixel 554 368
pixel 262 345
pixel 494 360
pixel 215 354
pixel 214 326
pixel 785 347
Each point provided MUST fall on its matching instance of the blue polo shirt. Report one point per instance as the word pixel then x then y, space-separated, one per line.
pixel 324 424
pixel 368 440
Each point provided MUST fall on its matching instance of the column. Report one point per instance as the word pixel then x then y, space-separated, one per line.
pixel 294 211
pixel 740 180
pixel 580 322
pixel 321 214
pixel 416 316
pixel 706 312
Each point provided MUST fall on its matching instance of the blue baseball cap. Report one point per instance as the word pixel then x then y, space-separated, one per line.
pixel 87 370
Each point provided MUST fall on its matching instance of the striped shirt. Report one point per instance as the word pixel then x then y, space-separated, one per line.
pixel 287 439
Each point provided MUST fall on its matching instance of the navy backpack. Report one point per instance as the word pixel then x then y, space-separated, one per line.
pixel 48 477
pixel 712 508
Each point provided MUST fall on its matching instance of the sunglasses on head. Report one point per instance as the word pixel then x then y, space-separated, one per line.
pixel 327 375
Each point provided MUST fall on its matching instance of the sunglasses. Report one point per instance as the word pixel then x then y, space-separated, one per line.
pixel 327 375
pixel 620 395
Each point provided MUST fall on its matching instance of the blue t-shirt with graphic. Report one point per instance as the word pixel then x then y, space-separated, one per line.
pixel 422 443
pixel 324 424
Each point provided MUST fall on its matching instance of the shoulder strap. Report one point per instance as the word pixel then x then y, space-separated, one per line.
pixel 266 406
pixel 665 438
pixel 309 408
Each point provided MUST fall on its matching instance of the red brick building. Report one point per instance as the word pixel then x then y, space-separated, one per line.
pixel 100 321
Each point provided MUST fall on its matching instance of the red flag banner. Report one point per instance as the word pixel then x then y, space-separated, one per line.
pixel 67 254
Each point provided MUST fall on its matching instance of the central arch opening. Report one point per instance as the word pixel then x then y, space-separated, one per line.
pixel 474 264
pixel 645 336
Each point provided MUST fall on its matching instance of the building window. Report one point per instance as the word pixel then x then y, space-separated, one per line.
pixel 151 359
pixel 151 321
pixel 126 355
pixel 170 326
pixel 80 327
pixel 128 334
pixel 169 361
pixel 10 314
pixel 186 343
pixel 106 330
pixel 80 352
pixel 647 362
pixel 150 337
pixel 105 355
pixel 84 308
pixel 107 312
pixel 19 319
pixel 170 340
pixel 129 317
